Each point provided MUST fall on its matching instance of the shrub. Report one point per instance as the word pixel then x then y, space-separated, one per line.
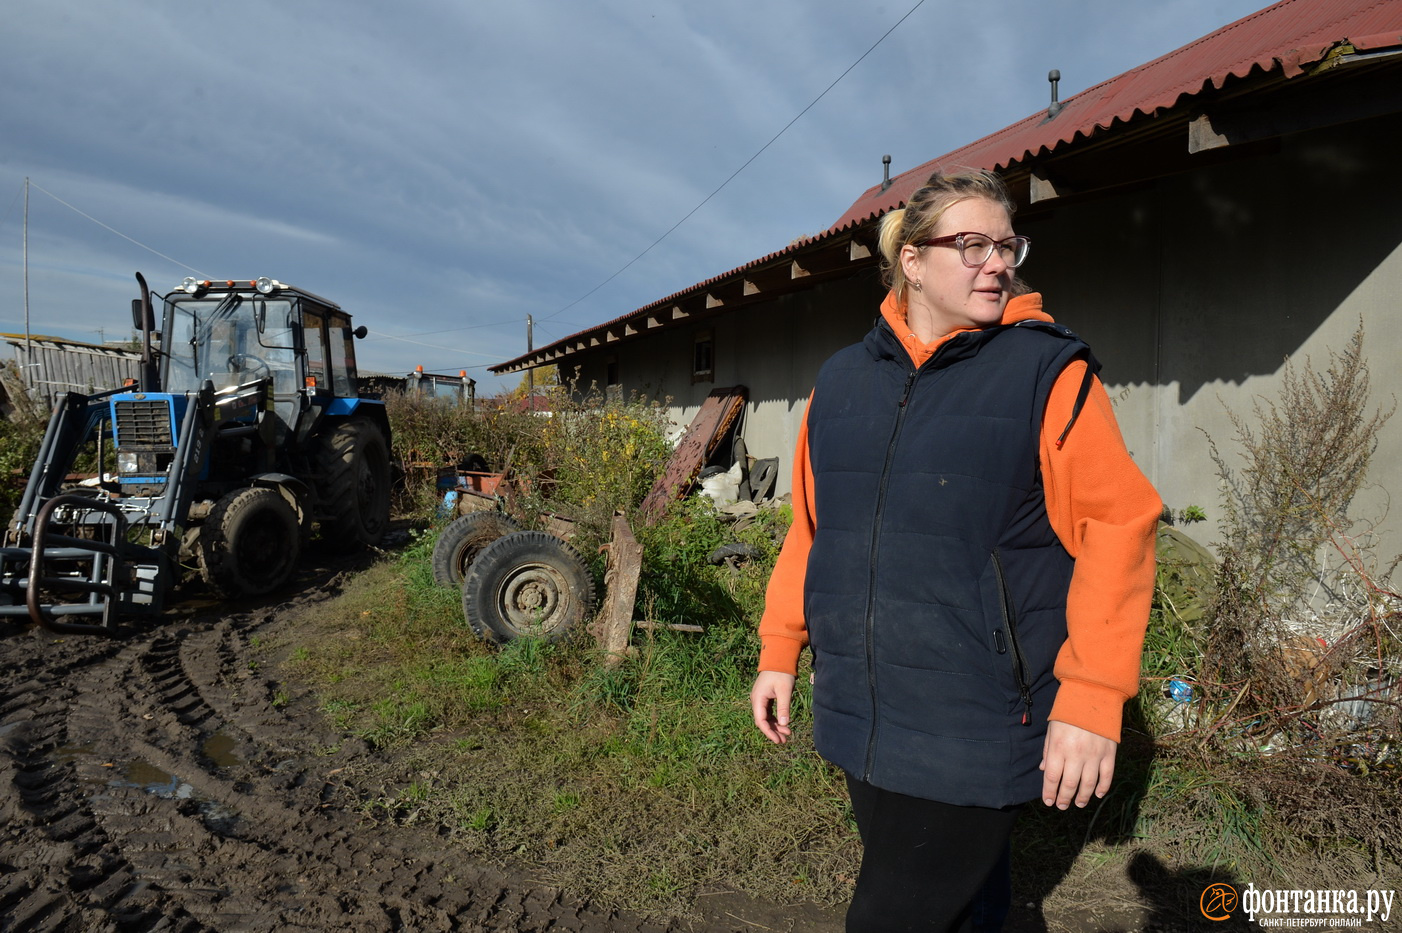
pixel 1290 647
pixel 585 458
pixel 599 455
pixel 432 433
pixel 1301 645
pixel 20 438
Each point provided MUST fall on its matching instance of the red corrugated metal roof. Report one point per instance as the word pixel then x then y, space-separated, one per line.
pixel 1286 36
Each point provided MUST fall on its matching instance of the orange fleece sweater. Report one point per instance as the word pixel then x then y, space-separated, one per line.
pixel 1102 508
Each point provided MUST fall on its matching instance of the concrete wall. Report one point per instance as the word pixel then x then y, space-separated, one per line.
pixel 774 349
pixel 1192 290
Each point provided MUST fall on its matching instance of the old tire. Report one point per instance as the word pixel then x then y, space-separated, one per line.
pixel 464 538
pixel 250 542
pixel 527 584
pixel 355 486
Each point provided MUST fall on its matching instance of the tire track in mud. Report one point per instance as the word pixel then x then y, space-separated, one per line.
pixel 59 866
pixel 157 784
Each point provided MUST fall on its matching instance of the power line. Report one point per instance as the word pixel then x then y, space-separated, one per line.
pixel 440 369
pixel 437 346
pixel 746 165
pixel 453 330
pixel 118 232
pixel 719 188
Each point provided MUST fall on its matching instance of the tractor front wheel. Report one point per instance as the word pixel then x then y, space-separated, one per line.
pixel 250 542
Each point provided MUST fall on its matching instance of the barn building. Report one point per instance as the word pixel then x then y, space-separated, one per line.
pixel 1197 219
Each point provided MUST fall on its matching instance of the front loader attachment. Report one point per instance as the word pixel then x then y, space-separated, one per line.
pixel 68 552
pixel 101 575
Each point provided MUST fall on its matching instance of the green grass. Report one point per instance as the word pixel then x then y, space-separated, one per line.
pixel 640 784
pixel 646 784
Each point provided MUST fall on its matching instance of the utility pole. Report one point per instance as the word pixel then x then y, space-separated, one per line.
pixel 28 344
pixel 530 373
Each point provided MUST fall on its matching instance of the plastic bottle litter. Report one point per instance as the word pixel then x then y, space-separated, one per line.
pixel 1180 691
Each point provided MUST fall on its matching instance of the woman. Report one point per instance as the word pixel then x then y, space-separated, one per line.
pixel 971 561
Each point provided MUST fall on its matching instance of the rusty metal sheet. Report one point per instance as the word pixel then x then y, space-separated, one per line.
pixel 718 412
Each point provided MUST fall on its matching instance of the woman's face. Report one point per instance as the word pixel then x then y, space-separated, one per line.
pixel 952 295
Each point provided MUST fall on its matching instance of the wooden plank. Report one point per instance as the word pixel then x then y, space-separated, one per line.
pixel 670 626
pixel 613 629
pixel 1044 187
pixel 718 412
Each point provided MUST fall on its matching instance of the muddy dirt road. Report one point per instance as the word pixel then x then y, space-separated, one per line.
pixel 172 781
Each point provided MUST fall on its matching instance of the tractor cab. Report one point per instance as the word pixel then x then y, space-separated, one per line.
pixel 231 335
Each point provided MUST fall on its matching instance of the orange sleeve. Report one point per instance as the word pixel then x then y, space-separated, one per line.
pixel 1106 513
pixel 783 631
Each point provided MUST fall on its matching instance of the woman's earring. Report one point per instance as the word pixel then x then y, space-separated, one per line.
pixel 915 285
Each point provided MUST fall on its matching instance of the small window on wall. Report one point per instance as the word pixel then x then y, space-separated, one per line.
pixel 611 371
pixel 703 357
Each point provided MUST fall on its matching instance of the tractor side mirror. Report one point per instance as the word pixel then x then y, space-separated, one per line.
pixel 361 331
pixel 136 313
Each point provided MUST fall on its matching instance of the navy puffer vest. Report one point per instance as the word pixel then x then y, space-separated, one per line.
pixel 935 593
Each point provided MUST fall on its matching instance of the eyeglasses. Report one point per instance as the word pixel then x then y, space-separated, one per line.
pixel 977 248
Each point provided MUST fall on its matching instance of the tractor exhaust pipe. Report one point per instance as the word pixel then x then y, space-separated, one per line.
pixel 144 318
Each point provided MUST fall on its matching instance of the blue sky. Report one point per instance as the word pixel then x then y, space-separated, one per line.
pixel 443 168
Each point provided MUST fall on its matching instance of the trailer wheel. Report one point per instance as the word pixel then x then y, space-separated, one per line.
pixel 249 543
pixel 354 463
pixel 527 584
pixel 463 539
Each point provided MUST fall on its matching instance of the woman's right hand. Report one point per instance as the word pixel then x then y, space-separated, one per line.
pixel 769 699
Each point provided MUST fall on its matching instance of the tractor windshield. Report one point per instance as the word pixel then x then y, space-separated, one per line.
pixel 218 339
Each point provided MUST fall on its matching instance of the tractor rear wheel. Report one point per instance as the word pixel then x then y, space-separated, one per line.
pixel 527 584
pixel 354 461
pixel 463 539
pixel 250 542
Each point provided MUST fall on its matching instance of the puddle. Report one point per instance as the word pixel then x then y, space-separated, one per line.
pixel 9 727
pixel 219 749
pixel 155 781
pixel 142 775
pixel 66 753
pixel 217 817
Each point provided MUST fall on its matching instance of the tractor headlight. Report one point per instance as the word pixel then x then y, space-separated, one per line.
pixel 126 461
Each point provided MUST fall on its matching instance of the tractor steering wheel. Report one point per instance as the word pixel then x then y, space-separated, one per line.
pixel 247 362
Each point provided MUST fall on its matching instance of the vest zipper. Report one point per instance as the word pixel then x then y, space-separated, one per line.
pixel 1005 602
pixel 870 635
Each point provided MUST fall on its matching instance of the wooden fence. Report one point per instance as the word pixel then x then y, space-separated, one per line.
pixel 50 366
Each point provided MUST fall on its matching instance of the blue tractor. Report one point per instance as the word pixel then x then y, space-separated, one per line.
pixel 244 435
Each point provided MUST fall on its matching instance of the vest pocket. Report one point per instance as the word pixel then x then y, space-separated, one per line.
pixel 1005 639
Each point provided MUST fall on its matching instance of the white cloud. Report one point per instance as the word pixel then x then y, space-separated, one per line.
pixel 435 164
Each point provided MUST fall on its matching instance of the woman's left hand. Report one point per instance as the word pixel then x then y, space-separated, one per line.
pixel 1075 764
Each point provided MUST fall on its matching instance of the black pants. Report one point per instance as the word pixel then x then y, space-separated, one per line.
pixel 923 862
